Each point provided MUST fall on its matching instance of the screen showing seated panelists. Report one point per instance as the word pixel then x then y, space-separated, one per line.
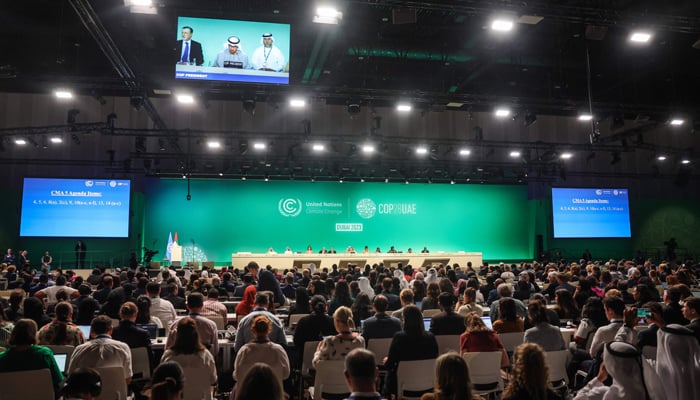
pixel 590 213
pixel 230 50
pixel 75 208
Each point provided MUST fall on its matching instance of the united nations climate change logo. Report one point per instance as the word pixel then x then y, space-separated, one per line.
pixel 289 207
pixel 366 208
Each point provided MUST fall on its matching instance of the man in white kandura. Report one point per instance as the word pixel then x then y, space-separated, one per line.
pixel 268 57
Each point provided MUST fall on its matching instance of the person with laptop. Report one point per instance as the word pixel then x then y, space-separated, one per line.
pixel 128 332
pixel 447 322
pixel 480 338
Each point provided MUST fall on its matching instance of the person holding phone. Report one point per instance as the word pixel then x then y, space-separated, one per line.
pixel 652 313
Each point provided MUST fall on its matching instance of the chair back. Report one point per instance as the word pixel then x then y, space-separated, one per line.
pixel 140 363
pixel 308 356
pixel 413 378
pixel 218 320
pixel 113 383
pixel 557 362
pixel 197 386
pixel 485 371
pixel 330 381
pixel 447 343
pixel 35 385
pixel 511 340
pixel 430 313
pixel 380 348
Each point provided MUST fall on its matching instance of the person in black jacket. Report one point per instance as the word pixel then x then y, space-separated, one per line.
pixel 313 327
pixel 85 306
pixel 267 281
pixel 447 322
pixel 129 333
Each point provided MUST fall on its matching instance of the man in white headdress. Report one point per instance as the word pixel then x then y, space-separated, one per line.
pixel 233 56
pixel 678 362
pixel 268 57
pixel 365 287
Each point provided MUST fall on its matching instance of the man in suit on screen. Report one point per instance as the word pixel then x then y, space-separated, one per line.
pixel 188 50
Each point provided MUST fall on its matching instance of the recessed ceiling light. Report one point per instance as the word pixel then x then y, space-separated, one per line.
pixel 368 148
pixel 318 147
pixel 141 2
pixel 20 142
pixel 185 98
pixel 502 112
pixel 585 117
pixel 63 94
pixel 515 154
pixel 685 161
pixel 566 156
pixel 214 144
pixel 465 152
pixel 403 107
pixel 640 37
pixel 677 122
pixel 327 15
pixel 297 103
pixel 502 25
pixel 661 157
pixel 56 139
pixel 421 150
pixel 259 146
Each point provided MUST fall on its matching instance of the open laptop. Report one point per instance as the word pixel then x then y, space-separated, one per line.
pixel 152 329
pixel 487 322
pixel 86 331
pixel 426 323
pixel 61 359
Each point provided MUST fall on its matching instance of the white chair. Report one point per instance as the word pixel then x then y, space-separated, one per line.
pixel 294 318
pixel 329 380
pixel 413 378
pixel 557 362
pixel 447 343
pixel 306 367
pixel 380 348
pixel 218 320
pixel 430 313
pixel 511 340
pixel 113 383
pixel 197 386
pixel 35 385
pixel 140 363
pixel 485 371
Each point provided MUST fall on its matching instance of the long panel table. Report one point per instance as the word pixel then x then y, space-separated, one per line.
pixel 417 260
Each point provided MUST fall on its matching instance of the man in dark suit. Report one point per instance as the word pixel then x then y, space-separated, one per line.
pixel 361 375
pixel 192 51
pixel 394 301
pixel 267 281
pixel 129 333
pixel 173 296
pixel 240 290
pixel 380 325
pixel 85 306
pixel 447 322
pixel 101 294
pixel 691 311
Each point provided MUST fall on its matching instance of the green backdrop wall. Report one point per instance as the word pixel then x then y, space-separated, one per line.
pixel 231 216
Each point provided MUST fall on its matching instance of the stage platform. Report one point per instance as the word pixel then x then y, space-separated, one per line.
pixel 417 260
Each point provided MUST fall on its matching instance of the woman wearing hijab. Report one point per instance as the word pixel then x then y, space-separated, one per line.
pixel 632 376
pixel 247 304
pixel 365 287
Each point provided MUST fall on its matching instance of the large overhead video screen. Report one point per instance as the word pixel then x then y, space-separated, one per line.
pixel 590 213
pixel 230 50
pixel 75 208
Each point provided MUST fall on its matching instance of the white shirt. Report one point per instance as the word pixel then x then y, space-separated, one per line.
pixel 268 58
pixel 102 351
pixel 52 290
pixel 163 310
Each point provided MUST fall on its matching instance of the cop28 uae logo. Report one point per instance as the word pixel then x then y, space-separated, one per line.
pixel 289 207
pixel 366 208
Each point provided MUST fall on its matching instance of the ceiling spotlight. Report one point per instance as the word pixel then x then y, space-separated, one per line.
pixel 267 179
pixel 297 103
pixel 502 25
pixel 368 149
pixel 340 180
pixel 677 122
pixel 214 144
pixel 20 141
pixel 640 37
pixel 185 98
pixel 259 146
pixel 465 152
pixel 318 147
pixel 403 107
pixel 502 112
pixel 327 15
pixel 661 157
pixel 585 117
pixel 515 154
pixel 421 150
pixel 452 182
pixel 354 107
pixel 685 161
pixel 566 156
pixel 63 94
pixel 362 180
pixel 56 139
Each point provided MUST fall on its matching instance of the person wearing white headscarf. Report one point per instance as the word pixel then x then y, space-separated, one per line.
pixel 678 362
pixel 365 287
pixel 431 277
pixel 312 268
pixel 398 274
pixel 633 377
pixel 267 57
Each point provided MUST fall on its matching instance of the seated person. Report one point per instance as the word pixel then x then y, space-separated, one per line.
pixel 508 319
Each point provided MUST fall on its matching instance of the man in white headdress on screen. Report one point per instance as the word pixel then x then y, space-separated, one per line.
pixel 268 57
pixel 233 56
